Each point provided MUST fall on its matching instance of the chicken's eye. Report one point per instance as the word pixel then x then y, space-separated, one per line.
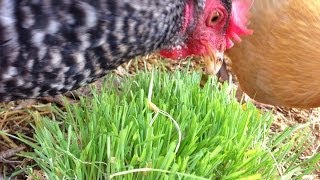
pixel 215 17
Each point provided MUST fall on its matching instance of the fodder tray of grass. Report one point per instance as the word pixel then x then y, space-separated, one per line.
pixel 110 135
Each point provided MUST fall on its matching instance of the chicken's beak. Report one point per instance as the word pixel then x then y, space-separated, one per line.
pixel 213 63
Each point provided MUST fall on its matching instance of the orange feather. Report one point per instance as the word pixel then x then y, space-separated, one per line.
pixel 280 63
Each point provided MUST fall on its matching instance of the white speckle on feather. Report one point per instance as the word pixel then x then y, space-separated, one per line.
pixel 79 57
pixel 36 91
pixel 6 12
pixel 53 27
pixel 38 37
pixel 56 58
pixel 178 47
pixel 91 17
pixel 11 72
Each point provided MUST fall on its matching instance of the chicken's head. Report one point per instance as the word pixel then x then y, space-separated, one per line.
pixel 210 32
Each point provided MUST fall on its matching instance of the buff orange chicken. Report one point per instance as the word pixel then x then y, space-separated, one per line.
pixel 278 64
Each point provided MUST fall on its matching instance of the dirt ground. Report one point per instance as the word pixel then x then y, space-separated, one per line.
pixel 15 116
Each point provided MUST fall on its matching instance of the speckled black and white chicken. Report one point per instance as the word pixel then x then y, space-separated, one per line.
pixel 48 47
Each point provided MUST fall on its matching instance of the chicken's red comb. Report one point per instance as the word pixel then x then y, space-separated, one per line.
pixel 238 21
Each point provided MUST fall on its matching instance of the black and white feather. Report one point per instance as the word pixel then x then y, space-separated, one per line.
pixel 49 47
